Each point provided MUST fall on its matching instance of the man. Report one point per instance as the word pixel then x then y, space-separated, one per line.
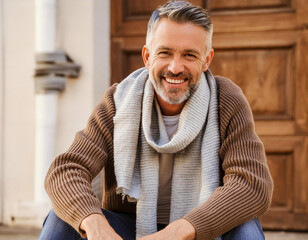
pixel 181 158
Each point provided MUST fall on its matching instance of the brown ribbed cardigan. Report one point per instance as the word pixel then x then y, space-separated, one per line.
pixel 246 184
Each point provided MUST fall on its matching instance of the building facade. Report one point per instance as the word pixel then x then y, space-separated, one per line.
pixel 261 45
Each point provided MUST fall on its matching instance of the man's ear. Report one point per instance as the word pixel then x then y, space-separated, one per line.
pixel 146 57
pixel 208 60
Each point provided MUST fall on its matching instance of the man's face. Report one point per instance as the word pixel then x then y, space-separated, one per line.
pixel 176 58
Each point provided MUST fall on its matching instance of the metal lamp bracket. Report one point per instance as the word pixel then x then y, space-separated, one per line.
pixel 52 69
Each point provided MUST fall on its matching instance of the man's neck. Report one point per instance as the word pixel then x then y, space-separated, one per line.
pixel 168 109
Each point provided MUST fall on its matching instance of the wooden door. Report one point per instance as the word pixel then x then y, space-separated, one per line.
pixel 263 47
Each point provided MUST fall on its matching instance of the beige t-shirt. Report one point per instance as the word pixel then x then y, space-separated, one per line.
pixel 165 173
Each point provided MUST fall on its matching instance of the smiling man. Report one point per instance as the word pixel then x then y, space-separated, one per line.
pixel 178 146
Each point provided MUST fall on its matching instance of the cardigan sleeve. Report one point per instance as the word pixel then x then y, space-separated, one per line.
pixel 247 186
pixel 68 181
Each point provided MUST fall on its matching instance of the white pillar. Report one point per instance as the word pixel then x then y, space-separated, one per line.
pixel 48 83
pixel 46 119
pixel 45 25
pixel 46 102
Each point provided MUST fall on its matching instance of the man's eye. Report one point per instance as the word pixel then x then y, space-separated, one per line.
pixel 189 55
pixel 164 53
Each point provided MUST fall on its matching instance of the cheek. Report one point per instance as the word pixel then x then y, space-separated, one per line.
pixel 158 65
pixel 197 68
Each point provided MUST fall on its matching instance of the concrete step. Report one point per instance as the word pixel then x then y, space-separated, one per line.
pixel 286 236
pixel 18 233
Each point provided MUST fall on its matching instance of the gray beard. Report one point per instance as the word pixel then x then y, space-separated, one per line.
pixel 168 97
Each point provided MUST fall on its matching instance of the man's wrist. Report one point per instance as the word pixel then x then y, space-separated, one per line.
pixel 184 229
pixel 91 221
pixel 96 226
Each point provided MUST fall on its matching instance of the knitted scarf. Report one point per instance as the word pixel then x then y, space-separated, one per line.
pixel 140 136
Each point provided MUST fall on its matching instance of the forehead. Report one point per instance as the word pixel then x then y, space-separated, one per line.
pixel 179 36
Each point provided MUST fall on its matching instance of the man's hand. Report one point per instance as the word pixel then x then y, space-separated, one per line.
pixel 177 230
pixel 97 227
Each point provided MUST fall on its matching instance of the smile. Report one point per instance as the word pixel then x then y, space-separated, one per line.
pixel 174 81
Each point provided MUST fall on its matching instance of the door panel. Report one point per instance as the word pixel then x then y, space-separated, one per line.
pixel 244 4
pixel 287 159
pixel 264 75
pixel 262 46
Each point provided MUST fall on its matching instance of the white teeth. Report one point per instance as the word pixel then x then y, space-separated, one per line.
pixel 177 81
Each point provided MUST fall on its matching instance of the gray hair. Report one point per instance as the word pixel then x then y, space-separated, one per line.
pixel 181 12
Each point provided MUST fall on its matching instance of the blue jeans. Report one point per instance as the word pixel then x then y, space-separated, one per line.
pixel 125 225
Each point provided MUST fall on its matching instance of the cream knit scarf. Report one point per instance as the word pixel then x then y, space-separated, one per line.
pixel 140 135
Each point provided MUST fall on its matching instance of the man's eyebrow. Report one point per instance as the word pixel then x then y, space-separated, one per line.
pixel 185 50
pixel 164 48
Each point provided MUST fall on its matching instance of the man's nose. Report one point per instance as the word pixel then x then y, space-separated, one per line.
pixel 176 66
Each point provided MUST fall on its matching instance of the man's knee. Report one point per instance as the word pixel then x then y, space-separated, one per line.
pixel 247 231
pixel 56 228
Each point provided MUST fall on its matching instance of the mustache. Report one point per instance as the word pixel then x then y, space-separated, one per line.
pixel 172 75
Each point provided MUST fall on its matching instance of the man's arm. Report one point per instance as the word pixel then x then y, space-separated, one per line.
pixel 68 181
pixel 247 185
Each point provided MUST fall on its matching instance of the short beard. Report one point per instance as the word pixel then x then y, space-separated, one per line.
pixel 170 96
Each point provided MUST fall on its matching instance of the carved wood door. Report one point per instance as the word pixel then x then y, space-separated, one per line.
pixel 263 47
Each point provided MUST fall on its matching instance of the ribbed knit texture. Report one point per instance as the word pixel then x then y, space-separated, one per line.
pixel 195 145
pixel 247 185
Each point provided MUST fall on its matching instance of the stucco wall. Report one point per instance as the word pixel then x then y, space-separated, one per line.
pixel 1 108
pixel 18 138
pixel 83 33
